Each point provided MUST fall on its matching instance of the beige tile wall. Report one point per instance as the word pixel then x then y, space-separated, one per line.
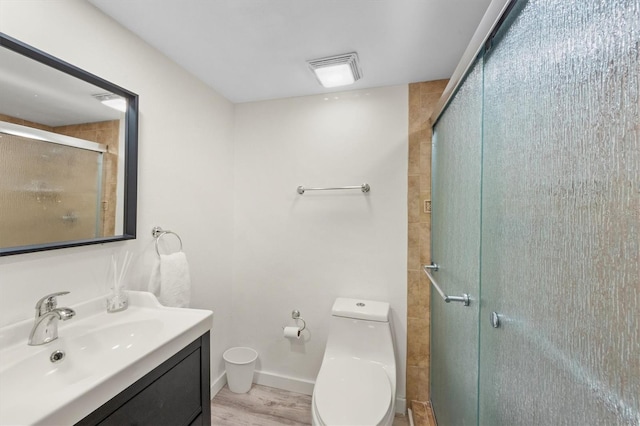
pixel 20 121
pixel 422 100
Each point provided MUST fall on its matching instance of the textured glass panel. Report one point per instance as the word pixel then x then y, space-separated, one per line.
pixel 456 248
pixel 48 192
pixel 560 217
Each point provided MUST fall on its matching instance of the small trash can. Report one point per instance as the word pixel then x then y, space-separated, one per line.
pixel 240 363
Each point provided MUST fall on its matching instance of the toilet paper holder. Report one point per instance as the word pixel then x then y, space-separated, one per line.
pixel 295 314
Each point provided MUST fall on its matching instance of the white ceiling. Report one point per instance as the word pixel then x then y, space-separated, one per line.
pixel 36 92
pixel 251 50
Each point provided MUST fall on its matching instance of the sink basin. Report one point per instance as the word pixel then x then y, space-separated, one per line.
pixel 106 346
pixel 104 353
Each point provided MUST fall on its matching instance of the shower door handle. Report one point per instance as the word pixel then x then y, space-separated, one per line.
pixel 465 299
pixel 495 319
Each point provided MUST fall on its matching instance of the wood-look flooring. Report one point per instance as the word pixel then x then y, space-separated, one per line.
pixel 265 406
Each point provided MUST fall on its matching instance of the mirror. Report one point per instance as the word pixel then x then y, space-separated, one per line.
pixel 68 154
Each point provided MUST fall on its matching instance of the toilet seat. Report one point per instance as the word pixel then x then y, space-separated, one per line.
pixel 352 392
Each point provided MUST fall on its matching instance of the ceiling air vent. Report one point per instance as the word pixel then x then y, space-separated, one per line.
pixel 339 70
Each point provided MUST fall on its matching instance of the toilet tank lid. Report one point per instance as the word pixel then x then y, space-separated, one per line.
pixel 361 309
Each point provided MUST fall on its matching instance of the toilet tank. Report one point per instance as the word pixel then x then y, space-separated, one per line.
pixel 361 329
pixel 361 309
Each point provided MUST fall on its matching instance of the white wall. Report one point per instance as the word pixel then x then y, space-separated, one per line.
pixel 301 252
pixel 291 251
pixel 185 167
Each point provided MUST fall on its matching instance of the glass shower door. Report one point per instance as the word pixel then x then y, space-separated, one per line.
pixel 561 217
pixel 455 230
pixel 49 192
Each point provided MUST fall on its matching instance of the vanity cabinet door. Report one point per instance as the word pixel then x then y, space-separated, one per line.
pixel 199 421
pixel 173 399
pixel 175 393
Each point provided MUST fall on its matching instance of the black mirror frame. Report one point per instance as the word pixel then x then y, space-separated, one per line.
pixel 131 147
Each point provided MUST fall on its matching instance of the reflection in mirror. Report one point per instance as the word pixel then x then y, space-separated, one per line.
pixel 68 154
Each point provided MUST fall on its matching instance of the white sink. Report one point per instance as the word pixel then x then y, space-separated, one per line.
pixel 104 354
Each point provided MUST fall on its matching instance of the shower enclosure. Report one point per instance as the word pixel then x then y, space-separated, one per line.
pixel 49 191
pixel 536 216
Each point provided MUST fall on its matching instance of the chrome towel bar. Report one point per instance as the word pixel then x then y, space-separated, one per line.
pixel 364 188
pixel 465 299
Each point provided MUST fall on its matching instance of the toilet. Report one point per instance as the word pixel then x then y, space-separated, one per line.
pixel 356 385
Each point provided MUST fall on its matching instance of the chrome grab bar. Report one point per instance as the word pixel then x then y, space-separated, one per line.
pixel 465 299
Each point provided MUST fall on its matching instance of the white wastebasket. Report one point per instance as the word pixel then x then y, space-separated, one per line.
pixel 240 363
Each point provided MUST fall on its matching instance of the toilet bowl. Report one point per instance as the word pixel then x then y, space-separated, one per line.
pixel 356 384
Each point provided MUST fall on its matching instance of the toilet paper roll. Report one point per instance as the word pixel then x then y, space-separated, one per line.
pixel 292 332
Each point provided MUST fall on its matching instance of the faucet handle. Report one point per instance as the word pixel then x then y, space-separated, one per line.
pixel 48 303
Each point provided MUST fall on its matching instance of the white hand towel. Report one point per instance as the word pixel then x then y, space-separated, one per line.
pixel 170 280
pixel 154 280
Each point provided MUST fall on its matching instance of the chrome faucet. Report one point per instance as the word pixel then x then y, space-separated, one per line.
pixel 45 327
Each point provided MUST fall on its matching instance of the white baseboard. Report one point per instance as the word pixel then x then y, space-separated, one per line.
pixel 279 381
pixel 218 384
pixel 401 405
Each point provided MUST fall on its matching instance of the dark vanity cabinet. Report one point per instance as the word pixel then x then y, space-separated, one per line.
pixel 175 393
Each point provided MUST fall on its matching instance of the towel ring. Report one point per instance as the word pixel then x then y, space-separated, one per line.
pixel 158 233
